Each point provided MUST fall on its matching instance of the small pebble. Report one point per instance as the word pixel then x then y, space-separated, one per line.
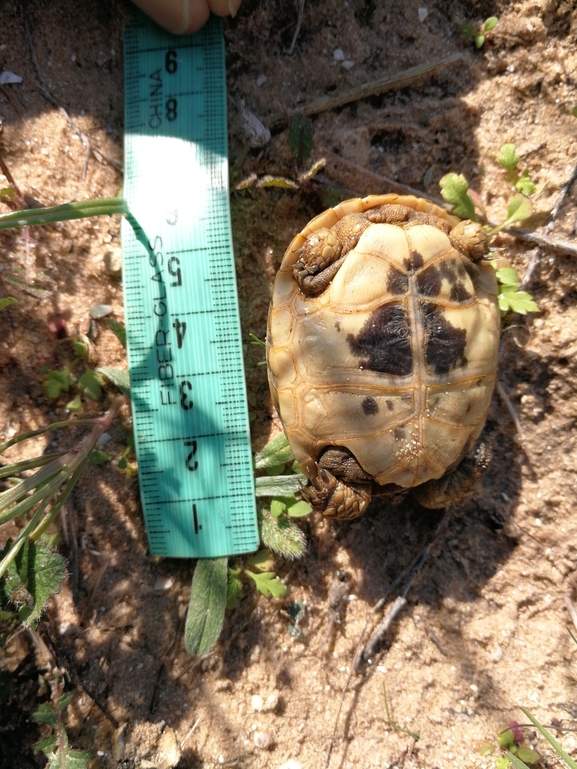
pixel 338 54
pixel 290 764
pixel 423 13
pixel 262 740
pixel 98 311
pixel 163 583
pixel 261 80
pixel 348 64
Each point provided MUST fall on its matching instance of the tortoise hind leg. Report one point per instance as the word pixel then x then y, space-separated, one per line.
pixel 342 489
pixel 457 484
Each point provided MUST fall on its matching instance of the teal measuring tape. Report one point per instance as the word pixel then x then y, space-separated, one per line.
pixel 184 341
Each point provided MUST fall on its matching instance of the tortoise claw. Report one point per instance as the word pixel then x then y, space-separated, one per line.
pixel 336 499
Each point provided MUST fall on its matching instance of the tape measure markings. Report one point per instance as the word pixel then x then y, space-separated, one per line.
pixel 196 483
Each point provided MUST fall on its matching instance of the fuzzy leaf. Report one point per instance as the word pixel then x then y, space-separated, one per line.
pixel 282 535
pixel 454 190
pixel 279 485
pixel 6 301
pixel 206 606
pixel 39 571
pixel 508 157
pixel 118 377
pixel 276 452
pixel 268 584
pixel 73 759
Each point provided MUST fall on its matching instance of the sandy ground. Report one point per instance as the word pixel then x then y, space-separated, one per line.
pixel 485 629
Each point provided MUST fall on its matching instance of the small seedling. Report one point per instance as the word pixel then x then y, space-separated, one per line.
pixel 510 298
pixel 479 32
pixel 55 746
pixel 395 727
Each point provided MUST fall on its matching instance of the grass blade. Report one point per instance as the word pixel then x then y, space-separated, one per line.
pixel 63 213
pixel 551 740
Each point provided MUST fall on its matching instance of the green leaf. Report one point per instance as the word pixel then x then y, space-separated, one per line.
pixel 507 276
pixel 262 561
pixel 468 30
pixel 490 23
pixel 6 301
pixel 91 384
pixel 118 377
pixel 505 738
pixel 517 763
pixel 282 535
pixel 268 584
pixel 65 700
pixel 74 405
pixel 64 213
pixel 516 301
pixel 518 209
pixel 277 507
pixel 233 588
pixel 73 759
pixel 45 714
pixel 525 185
pixel 454 190
pixel 279 485
pixel 57 382
pixel 508 157
pixel 46 745
pixel 276 452
pixel 301 137
pixel 299 509
pixel 206 606
pixel 277 181
pixel 551 740
pixel 119 331
pixel 80 348
pixel 574 111
pixel 98 457
pixel 39 571
pixel 479 40
pixel 528 756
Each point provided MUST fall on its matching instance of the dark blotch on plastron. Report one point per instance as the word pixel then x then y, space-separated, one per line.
pixel 459 293
pixel 400 433
pixel 444 344
pixel 370 406
pixel 390 404
pixel 429 282
pixel 337 325
pixel 383 343
pixel 397 281
pixel 415 262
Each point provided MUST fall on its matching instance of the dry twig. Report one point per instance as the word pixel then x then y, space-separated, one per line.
pixel 298 27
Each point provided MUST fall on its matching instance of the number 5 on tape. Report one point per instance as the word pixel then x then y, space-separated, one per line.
pixel 184 341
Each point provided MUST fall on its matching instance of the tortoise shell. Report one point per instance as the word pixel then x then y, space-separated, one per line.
pixel 395 360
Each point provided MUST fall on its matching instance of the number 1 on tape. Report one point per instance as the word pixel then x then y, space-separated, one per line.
pixel 184 341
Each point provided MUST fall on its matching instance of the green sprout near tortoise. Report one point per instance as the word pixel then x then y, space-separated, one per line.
pixel 479 32
pixel 456 191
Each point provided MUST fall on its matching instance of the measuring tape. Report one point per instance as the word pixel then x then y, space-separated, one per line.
pixel 188 392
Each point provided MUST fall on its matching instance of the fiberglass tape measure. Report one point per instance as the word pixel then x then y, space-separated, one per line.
pixel 188 392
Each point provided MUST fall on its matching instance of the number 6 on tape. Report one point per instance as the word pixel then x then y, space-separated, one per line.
pixel 184 341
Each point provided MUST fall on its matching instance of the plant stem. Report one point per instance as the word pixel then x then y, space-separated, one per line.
pixel 63 213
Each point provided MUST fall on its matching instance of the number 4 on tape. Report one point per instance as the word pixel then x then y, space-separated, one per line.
pixel 184 339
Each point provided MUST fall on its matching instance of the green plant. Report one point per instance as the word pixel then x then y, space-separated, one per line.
pixel 479 32
pixel 55 746
pixel 216 585
pixel 466 203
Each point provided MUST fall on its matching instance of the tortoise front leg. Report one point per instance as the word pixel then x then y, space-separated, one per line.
pixel 457 484
pixel 324 252
pixel 342 489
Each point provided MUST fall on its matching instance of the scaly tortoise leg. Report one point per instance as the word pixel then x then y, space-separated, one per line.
pixel 342 489
pixel 457 484
pixel 320 258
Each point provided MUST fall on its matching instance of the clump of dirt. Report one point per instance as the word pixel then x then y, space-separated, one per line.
pixel 485 627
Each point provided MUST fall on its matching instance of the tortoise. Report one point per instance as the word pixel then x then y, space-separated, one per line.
pixel 382 345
